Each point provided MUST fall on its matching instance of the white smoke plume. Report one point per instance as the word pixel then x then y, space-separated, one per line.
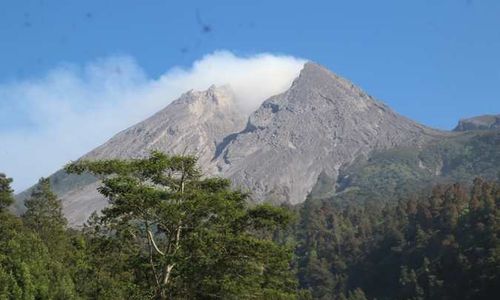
pixel 48 121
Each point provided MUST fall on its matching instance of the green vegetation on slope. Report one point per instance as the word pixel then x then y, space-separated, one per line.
pixel 440 246
pixel 397 173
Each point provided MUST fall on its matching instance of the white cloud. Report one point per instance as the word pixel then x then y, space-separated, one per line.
pixel 72 109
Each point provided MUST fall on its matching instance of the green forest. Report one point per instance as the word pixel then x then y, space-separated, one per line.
pixel 170 233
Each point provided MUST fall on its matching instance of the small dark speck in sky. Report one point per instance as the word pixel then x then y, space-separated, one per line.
pixel 89 15
pixel 205 28
pixel 27 23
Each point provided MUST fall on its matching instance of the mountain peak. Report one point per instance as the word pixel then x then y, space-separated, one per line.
pixel 311 67
pixel 195 123
pixel 220 95
pixel 314 73
pixel 484 122
pixel 323 122
pixel 318 78
pixel 319 125
pixel 317 88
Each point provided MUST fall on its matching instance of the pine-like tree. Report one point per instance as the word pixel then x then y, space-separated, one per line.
pixel 6 198
pixel 44 216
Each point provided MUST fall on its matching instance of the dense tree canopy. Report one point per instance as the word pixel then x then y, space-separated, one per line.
pixel 171 233
pixel 195 237
pixel 34 263
pixel 444 246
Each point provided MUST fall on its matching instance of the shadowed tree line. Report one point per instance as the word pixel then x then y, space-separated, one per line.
pixel 439 246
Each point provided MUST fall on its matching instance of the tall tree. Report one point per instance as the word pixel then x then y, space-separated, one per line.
pixel 27 270
pixel 6 198
pixel 198 238
pixel 44 216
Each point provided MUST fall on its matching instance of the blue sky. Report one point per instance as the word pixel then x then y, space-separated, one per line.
pixel 433 61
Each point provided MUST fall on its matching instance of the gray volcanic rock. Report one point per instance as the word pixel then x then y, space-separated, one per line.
pixel 194 124
pixel 323 122
pixel 484 122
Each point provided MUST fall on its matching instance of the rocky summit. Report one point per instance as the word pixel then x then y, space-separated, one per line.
pixel 484 122
pixel 196 123
pixel 320 125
